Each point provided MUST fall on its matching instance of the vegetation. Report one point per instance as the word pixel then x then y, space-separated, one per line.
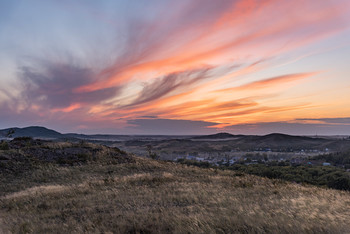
pixel 112 192
pixel 23 138
pixel 10 133
pixel 338 158
pixel 325 176
pixel 4 145
pixel 151 154
pixel 331 177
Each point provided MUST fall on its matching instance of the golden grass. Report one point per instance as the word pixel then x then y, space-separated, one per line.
pixel 157 197
pixel 36 190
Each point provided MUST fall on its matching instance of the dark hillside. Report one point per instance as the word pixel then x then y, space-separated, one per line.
pixel 222 135
pixel 34 131
pixel 277 141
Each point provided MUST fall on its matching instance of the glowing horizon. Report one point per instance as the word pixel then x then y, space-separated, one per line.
pixel 184 67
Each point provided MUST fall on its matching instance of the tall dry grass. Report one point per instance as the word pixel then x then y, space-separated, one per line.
pixel 159 197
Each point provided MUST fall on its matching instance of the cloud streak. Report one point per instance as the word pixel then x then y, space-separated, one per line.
pixel 169 84
pixel 53 86
pixel 270 82
pixel 335 121
pixel 150 43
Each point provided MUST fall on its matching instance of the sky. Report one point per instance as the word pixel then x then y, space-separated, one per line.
pixel 176 67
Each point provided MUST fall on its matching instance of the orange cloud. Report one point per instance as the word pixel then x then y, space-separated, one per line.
pixel 67 109
pixel 270 82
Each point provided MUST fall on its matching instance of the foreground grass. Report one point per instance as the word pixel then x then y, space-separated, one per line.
pixel 146 196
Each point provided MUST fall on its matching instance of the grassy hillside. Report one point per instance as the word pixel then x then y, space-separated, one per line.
pixel 33 131
pixel 112 192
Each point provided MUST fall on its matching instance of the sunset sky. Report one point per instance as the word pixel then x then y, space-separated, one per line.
pixel 176 67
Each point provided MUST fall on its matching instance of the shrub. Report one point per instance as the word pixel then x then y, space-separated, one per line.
pixel 23 139
pixel 341 183
pixel 4 145
pixel 152 154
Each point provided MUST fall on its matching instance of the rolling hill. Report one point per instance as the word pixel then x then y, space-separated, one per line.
pixel 33 131
pixel 222 135
pixel 204 143
pixel 63 187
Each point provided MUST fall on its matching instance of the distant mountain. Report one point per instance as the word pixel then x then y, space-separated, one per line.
pixel 282 141
pixel 33 131
pixel 222 135
pixel 42 132
pixel 284 137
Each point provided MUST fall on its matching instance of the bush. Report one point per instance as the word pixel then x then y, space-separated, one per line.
pixel 4 145
pixel 22 139
pixel 341 183
pixel 152 154
pixel 331 177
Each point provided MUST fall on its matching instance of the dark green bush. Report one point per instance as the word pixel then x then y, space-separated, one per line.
pixel 332 177
pixel 4 145
pixel 23 139
pixel 341 183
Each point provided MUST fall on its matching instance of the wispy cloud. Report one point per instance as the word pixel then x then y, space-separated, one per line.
pixel 336 121
pixel 169 84
pixel 53 86
pixel 270 82
pixel 262 128
pixel 184 41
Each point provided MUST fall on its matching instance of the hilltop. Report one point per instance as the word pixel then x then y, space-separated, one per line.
pixel 49 187
pixel 221 135
pixel 33 131
pixel 278 140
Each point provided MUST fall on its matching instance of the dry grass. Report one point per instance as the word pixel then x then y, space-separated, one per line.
pixel 158 197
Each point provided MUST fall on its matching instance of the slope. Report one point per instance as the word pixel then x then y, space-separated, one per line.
pixel 105 193
pixel 33 131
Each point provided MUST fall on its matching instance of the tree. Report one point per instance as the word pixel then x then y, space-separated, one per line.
pixel 10 133
pixel 151 154
pixel 4 145
pixel 342 183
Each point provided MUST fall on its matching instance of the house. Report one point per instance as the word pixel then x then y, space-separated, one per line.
pixel 231 161
pixel 189 157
